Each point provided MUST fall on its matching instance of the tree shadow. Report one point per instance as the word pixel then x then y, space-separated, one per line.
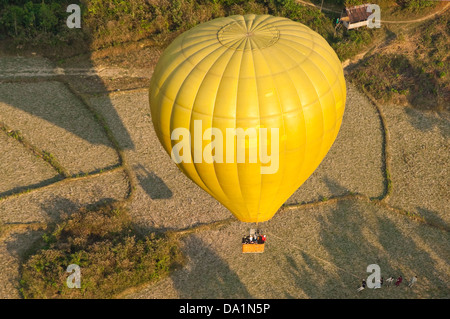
pixel 335 188
pixel 48 99
pixel 432 217
pixel 152 184
pixel 57 99
pixel 54 103
pixel 354 235
pixel 425 121
pixel 304 274
pixel 208 276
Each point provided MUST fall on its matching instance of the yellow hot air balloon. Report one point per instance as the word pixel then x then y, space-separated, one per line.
pixel 248 106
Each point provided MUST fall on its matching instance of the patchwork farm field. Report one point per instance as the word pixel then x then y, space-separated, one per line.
pixel 76 135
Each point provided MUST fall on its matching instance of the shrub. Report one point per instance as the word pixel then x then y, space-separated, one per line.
pixel 348 43
pixel 416 5
pixel 112 256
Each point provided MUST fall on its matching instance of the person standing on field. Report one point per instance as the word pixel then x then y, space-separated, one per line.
pixel 413 281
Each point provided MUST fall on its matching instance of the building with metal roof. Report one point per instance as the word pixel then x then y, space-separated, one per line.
pixel 355 17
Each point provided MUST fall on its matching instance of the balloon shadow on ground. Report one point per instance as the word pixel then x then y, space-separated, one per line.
pixel 335 188
pixel 152 184
pixel 207 275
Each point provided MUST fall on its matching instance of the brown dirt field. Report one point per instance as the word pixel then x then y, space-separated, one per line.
pixel 50 203
pixel 321 252
pixel 50 116
pixel 19 168
pixel 164 197
pixel 420 162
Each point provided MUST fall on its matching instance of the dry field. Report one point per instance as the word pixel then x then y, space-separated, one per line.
pixel 380 196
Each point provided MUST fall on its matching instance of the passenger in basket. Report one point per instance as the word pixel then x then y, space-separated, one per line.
pixel 263 238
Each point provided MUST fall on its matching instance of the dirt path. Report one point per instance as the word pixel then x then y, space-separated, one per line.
pixel 432 15
pixel 317 6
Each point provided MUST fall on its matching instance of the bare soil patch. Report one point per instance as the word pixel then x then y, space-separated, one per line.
pixel 321 252
pixel 48 204
pixel 51 117
pixel 420 157
pixel 20 169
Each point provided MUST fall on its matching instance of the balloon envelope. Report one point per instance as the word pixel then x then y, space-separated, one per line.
pixel 248 107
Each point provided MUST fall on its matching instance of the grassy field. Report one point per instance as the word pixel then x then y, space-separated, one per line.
pixel 413 69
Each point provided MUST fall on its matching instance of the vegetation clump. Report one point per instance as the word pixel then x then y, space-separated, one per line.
pixel 110 252
pixel 416 75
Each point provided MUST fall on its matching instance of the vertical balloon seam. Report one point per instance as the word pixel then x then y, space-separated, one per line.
pixel 299 108
pixel 174 104
pixel 328 49
pixel 306 56
pixel 302 107
pixel 330 86
pixel 282 121
pixel 332 68
pixel 263 19
pixel 207 187
pixel 338 81
pixel 249 21
pixel 245 21
pixel 265 60
pixel 166 82
pixel 188 58
pixel 193 111
pixel 156 111
pixel 316 161
pixel 259 112
pixel 235 126
pixel 212 119
pixel 203 48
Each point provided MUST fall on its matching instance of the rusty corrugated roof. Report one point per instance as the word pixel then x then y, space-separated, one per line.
pixel 358 13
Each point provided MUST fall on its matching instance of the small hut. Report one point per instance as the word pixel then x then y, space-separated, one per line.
pixel 355 17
